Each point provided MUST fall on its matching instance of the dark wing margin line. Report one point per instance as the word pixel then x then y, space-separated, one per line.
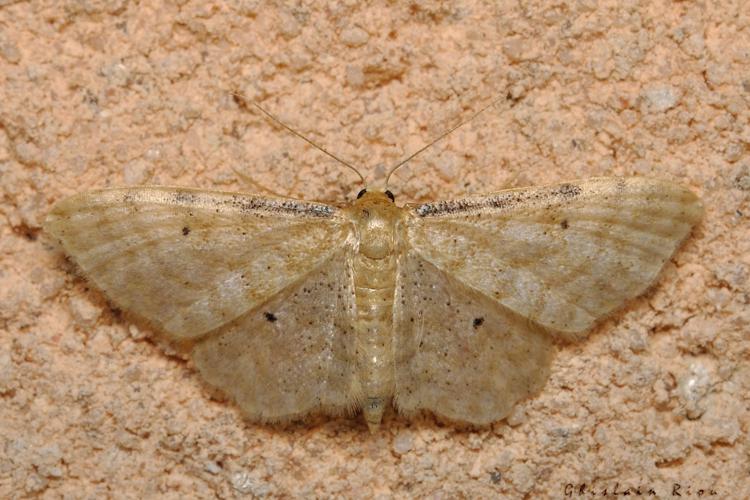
pixel 188 197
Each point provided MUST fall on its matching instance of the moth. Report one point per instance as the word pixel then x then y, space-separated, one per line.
pixel 295 307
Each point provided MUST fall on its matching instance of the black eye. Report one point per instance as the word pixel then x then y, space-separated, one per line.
pixel 390 195
pixel 361 193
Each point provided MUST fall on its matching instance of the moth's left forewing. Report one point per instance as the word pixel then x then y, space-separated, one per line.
pixel 562 256
pixel 189 261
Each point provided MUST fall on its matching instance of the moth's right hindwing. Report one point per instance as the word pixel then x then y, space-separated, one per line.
pixel 458 353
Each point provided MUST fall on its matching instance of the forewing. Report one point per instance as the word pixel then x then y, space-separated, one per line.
pixel 190 261
pixel 562 256
pixel 459 353
pixel 292 356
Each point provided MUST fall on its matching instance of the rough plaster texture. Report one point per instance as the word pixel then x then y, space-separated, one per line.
pixel 108 93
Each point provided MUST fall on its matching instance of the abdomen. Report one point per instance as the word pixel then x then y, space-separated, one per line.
pixel 374 282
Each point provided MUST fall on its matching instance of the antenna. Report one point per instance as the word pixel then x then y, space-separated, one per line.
pixel 290 129
pixel 441 136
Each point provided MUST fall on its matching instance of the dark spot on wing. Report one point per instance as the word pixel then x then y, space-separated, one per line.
pixel 270 317
pixel 564 224
pixel 478 322
pixel 567 190
pixel 185 230
pixel 184 198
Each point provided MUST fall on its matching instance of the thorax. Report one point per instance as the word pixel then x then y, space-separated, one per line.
pixel 375 218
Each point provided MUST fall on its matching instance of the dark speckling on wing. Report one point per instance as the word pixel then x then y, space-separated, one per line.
pixel 501 200
pixel 241 202
pixel 276 206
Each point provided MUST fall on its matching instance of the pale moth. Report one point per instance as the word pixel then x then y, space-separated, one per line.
pixel 295 307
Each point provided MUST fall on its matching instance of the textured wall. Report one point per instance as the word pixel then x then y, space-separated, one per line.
pixel 108 93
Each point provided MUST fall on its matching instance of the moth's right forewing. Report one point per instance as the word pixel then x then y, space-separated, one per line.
pixel 562 256
pixel 189 261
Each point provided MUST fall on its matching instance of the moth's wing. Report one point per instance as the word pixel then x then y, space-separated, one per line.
pixel 190 261
pixel 459 353
pixel 260 288
pixel 294 355
pixel 562 256
pixel 481 279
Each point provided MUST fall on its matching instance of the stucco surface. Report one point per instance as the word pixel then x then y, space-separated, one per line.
pixel 110 93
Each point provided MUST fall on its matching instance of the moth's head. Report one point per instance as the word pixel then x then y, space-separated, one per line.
pixel 385 197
